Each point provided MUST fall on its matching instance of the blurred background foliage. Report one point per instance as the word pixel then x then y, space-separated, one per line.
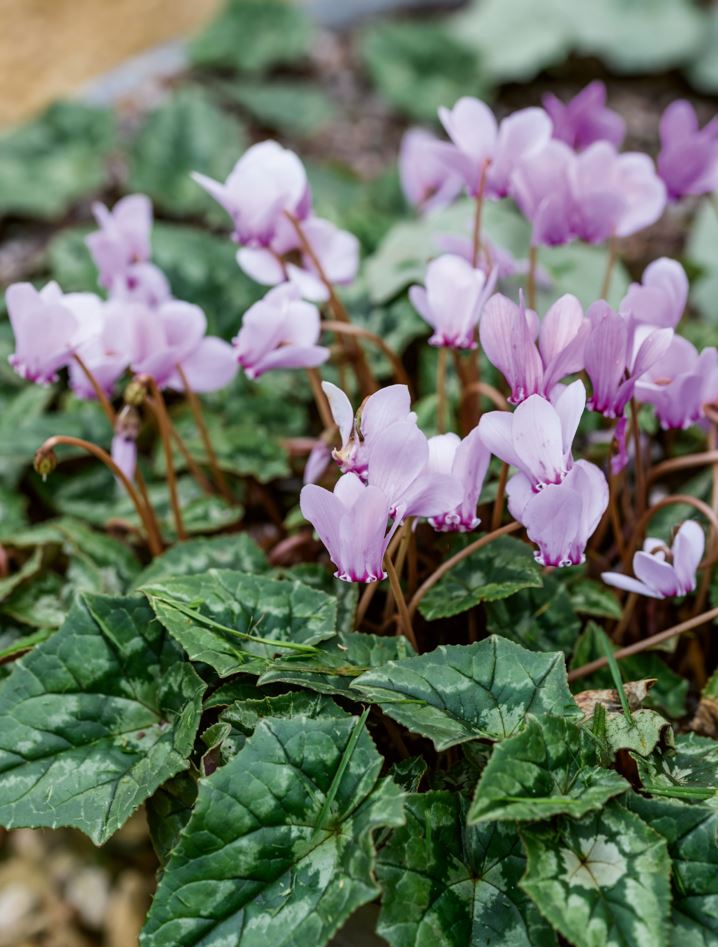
pixel 342 99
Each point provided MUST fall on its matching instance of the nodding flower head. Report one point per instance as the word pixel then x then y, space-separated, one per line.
pixel 467 461
pixel 680 384
pixel 663 572
pixel 537 437
pixel 452 300
pixel 357 432
pixel 688 159
pixel 46 328
pixel 352 523
pixel 45 461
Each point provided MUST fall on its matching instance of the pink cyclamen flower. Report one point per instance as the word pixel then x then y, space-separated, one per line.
pixel 352 524
pixel 688 159
pixel 48 326
pixel 509 334
pixel 467 461
pixel 540 185
pixel 485 153
pixel 660 298
pixel 680 384
pixel 662 572
pixel 123 238
pixel 398 463
pixel 452 300
pixel 267 182
pixel 585 118
pixel 286 258
pixel 617 355
pixel 562 517
pixel 614 194
pixel 279 331
pixel 384 408
pixel 537 437
pixel 172 336
pixel 106 350
pixel 426 180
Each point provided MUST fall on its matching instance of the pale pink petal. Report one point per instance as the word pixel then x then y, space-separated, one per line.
pixel 383 408
pixel 626 582
pixel 538 439
pixel 341 409
pixel 688 548
pixel 658 575
pixel 211 366
pixel 569 406
pixel 261 265
pixel 496 432
pixel 324 511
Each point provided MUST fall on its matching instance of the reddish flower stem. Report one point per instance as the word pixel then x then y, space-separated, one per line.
pixel 196 409
pixel 163 423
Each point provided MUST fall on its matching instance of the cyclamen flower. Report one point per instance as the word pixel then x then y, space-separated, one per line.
pixel 562 517
pixel 680 384
pixel 352 524
pixel 614 194
pixel 426 180
pixel 688 159
pixel 537 437
pixel 452 300
pixel 286 258
pixel 660 298
pixel 487 151
pixel 540 185
pixel 279 331
pixel 508 336
pixel 377 412
pixel 173 336
pixel 107 350
pixel 662 572
pixel 585 119
pixel 617 355
pixel 123 238
pixel 398 463
pixel 48 327
pixel 467 461
pixel 267 182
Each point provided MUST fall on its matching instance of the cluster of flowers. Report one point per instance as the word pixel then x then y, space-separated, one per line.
pixel 562 168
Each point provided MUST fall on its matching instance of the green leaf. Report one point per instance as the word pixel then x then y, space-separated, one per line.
pixel 346 593
pixel 293 108
pixel 222 618
pixel 591 598
pixel 448 885
pixel 42 603
pixel 499 570
pixel 237 551
pixel 549 768
pixel 168 811
pixel 338 663
pixel 702 71
pixel 540 619
pixel 66 148
pixel 603 880
pixel 579 269
pixel 692 836
pixel 252 36
pixel 280 842
pixel 188 133
pixel 418 66
pixel 95 719
pixel 29 568
pixel 642 734
pixel 688 772
pixel 467 692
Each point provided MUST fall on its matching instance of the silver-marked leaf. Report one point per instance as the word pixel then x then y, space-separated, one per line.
pixel 692 836
pixel 279 848
pixel 603 880
pixel 338 663
pixel 688 772
pixel 641 734
pixel 446 885
pixel 223 618
pixel 194 557
pixel 550 768
pixel 540 619
pixel 466 692
pixel 95 719
pixel 494 572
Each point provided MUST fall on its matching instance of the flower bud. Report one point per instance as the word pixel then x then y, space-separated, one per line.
pixel 45 461
pixel 135 393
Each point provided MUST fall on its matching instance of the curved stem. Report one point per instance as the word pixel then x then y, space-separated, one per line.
pixel 102 455
pixel 194 468
pixel 370 590
pixel 682 463
pixel 500 493
pixel 164 426
pixel 320 399
pixel 455 559
pixel 531 277
pixel 610 265
pixel 677 499
pixel 364 374
pixel 441 391
pixel 97 388
pixel 488 391
pixel 640 475
pixel 405 617
pixel 342 328
pixel 646 643
pixel 614 516
pixel 196 409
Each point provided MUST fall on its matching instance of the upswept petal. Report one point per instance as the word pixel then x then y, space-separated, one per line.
pixel 538 440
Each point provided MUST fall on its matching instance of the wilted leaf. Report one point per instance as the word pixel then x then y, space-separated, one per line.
pixel 601 880
pixel 280 841
pixel 95 719
pixel 448 885
pixel 635 691
pixel 467 692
